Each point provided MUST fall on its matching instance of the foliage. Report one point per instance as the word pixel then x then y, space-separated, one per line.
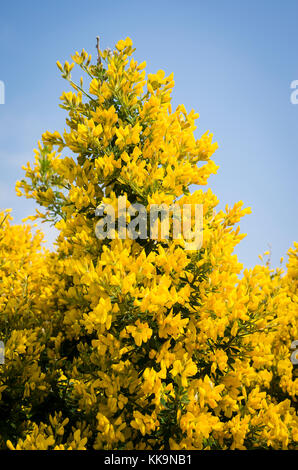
pixel 138 344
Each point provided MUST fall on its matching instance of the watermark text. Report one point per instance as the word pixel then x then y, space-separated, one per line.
pixel 2 92
pixel 156 222
pixel 294 94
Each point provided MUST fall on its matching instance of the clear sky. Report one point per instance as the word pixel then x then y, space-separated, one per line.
pixel 233 62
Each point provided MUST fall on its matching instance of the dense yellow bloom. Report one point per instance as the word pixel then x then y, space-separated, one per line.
pixel 138 344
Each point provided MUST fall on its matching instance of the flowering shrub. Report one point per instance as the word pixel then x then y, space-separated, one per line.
pixel 138 344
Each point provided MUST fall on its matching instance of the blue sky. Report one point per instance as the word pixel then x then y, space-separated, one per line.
pixel 233 62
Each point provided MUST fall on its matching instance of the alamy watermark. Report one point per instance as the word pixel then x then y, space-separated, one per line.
pixel 2 92
pixel 294 355
pixel 160 222
pixel 2 353
pixel 294 94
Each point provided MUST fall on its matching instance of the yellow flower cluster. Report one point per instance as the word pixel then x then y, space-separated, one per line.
pixel 138 344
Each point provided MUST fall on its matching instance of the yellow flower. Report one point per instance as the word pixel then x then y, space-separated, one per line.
pixel 133 338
